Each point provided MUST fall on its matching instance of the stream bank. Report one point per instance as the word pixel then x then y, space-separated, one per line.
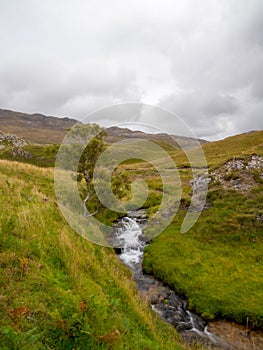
pixel 169 306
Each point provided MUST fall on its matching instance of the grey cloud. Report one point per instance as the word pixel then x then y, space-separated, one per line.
pixel 53 86
pixel 201 62
pixel 219 104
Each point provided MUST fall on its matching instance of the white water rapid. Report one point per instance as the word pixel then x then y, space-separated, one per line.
pixel 169 306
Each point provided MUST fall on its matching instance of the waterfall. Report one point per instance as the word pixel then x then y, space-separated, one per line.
pixel 169 306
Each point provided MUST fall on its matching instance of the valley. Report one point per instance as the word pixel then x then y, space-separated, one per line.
pixel 58 290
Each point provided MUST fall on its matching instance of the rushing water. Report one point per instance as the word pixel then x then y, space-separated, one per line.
pixel 169 306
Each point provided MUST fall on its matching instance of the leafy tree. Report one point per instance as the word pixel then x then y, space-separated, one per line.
pixel 91 135
pixel 87 140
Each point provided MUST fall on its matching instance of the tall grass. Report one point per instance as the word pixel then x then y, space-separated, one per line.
pixel 57 290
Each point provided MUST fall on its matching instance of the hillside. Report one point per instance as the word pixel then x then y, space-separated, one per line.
pixel 116 134
pixel 16 148
pixel 40 129
pixel 217 265
pixel 35 138
pixel 35 128
pixel 57 290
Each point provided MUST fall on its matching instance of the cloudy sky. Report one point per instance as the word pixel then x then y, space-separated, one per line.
pixel 202 60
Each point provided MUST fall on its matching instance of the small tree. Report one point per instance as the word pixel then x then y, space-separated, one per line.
pixel 90 135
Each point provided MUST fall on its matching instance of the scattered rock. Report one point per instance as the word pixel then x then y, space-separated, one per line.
pixel 239 174
pixel 236 183
pixel 256 162
pixel 199 187
pixel 200 182
pixel 11 139
pixel 138 214
pixel 14 145
pixel 234 164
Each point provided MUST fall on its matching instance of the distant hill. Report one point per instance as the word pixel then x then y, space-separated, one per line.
pixel 41 129
pixel 35 128
pixel 116 134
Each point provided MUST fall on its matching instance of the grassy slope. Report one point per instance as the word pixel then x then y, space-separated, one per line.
pixel 35 128
pixel 43 156
pixel 58 291
pixel 235 146
pixel 218 263
pixel 39 135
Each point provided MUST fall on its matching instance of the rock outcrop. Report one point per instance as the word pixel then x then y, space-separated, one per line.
pixel 13 145
pixel 240 174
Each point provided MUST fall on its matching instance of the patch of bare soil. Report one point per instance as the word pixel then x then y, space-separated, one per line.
pixel 237 337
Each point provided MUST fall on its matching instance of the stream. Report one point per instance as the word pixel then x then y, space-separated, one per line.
pixel 128 235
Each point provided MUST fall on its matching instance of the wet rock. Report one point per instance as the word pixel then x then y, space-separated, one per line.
pixel 154 299
pixel 173 309
pixel 169 306
pixel 138 214
pixel 144 239
pixel 118 250
pixel 193 338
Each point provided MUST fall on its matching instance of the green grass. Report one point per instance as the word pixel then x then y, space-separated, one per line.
pixel 57 290
pixel 219 152
pixel 217 265
pixel 240 146
pixel 42 156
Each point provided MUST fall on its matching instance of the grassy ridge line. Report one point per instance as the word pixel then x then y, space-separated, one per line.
pixel 56 289
pixel 241 146
pixel 216 154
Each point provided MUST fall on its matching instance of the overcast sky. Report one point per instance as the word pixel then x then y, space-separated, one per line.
pixel 202 60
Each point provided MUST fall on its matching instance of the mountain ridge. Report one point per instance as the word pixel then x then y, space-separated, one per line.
pixel 41 129
pixel 35 128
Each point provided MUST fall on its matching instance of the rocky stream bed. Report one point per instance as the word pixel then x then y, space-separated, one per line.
pixel 171 307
